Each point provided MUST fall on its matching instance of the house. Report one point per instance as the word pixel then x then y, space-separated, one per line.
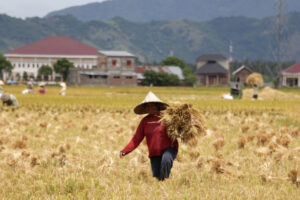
pixel 176 70
pixel 212 69
pixel 120 65
pixel 290 77
pixel 31 57
pixel 91 66
pixel 241 74
pixel 114 68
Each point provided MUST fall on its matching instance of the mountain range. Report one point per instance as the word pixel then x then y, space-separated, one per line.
pixel 252 39
pixel 196 10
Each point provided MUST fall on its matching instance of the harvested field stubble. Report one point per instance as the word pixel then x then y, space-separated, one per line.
pixel 70 149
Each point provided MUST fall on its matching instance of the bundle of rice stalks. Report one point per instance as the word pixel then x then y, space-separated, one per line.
pixel 182 121
pixel 255 79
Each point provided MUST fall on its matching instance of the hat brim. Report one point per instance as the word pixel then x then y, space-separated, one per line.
pixel 141 108
pixel 62 84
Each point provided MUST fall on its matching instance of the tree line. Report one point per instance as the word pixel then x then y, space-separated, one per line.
pixel 270 70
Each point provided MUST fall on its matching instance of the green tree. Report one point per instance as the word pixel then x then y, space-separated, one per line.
pixel 160 78
pixel 174 61
pixel 25 76
pixel 189 77
pixel 62 67
pixel 45 70
pixel 5 65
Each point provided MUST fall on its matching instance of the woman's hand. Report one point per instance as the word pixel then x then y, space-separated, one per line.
pixel 122 154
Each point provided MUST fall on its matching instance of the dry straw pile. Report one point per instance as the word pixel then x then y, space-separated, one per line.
pixel 268 93
pixel 255 79
pixel 182 121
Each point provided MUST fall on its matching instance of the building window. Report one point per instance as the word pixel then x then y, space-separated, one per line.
pixel 116 77
pixel 211 61
pixel 114 62
pixel 129 63
pixel 128 77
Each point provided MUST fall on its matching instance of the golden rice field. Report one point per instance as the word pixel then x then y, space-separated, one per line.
pixel 55 147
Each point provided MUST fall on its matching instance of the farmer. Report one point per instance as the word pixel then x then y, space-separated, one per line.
pixel 63 88
pixel 42 88
pixel 255 93
pixel 8 99
pixel 1 86
pixel 162 150
pixel 30 86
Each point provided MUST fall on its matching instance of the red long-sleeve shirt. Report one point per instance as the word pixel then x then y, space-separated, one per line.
pixel 156 137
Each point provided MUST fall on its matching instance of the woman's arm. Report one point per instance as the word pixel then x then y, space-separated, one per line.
pixel 136 139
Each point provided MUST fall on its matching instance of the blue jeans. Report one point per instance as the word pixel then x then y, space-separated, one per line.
pixel 162 165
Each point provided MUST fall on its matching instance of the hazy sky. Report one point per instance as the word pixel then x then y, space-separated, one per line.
pixel 33 8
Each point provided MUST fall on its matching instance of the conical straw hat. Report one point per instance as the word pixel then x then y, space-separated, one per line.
pixel 1 82
pixel 42 84
pixel 63 84
pixel 5 97
pixel 150 98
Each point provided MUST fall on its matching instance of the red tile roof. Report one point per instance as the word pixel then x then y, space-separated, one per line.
pixel 56 45
pixel 292 69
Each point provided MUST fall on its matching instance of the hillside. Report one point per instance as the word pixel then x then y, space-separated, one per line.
pixel 197 10
pixel 151 41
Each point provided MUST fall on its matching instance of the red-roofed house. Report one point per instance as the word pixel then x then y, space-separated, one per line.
pixel 290 77
pixel 47 51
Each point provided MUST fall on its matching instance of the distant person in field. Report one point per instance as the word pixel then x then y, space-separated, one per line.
pixel 162 150
pixel 63 89
pixel 237 83
pixel 30 86
pixel 255 93
pixel 1 86
pixel 42 88
pixel 8 99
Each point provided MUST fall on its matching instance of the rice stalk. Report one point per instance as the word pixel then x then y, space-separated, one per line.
pixel 255 79
pixel 183 122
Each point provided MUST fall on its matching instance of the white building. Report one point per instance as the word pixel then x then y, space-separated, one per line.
pixel 47 51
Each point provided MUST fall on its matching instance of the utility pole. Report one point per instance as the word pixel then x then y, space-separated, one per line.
pixel 230 51
pixel 171 54
pixel 279 31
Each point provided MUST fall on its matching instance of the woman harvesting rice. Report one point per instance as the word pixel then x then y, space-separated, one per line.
pixel 1 86
pixel 162 150
pixel 254 80
pixel 8 99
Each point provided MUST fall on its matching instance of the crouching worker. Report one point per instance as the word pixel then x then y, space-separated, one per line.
pixel 8 99
pixel 162 150
pixel 1 86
